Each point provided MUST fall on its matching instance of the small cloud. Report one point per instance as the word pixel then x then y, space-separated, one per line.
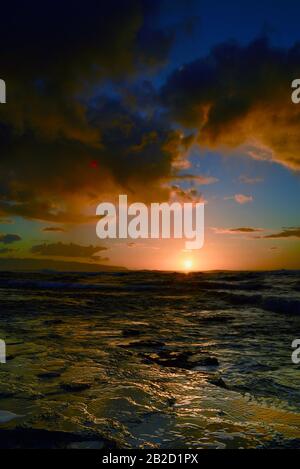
pixel 245 230
pixel 237 231
pixel 259 152
pixel 285 233
pixel 66 250
pixel 100 259
pixel 54 229
pixel 241 198
pixel 181 164
pixel 199 179
pixel 178 194
pixel 131 244
pixel 9 238
pixel 248 180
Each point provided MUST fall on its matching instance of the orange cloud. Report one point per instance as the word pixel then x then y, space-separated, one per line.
pixel 240 198
pixel 240 97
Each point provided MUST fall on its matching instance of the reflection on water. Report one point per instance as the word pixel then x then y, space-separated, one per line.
pixel 151 359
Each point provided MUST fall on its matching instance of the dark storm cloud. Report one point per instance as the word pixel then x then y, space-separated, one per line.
pixel 62 149
pixel 50 179
pixel 9 238
pixel 66 250
pixel 61 49
pixel 241 96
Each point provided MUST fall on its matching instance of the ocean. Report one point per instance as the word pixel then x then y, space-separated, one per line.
pixel 150 360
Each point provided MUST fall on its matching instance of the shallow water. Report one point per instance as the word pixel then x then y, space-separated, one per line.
pixel 90 354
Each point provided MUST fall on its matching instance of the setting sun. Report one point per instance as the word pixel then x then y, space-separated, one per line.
pixel 188 264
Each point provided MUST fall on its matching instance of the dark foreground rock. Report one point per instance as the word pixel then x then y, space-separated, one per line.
pixel 30 438
pixel 187 359
pixel 218 382
pixel 49 375
pixel 131 332
pixel 75 387
pixel 144 344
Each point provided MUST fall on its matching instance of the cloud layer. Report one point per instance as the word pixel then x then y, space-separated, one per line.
pixel 9 238
pixel 285 234
pixel 241 96
pixel 66 250
pixel 54 125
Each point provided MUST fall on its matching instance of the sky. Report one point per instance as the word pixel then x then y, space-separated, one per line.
pixel 160 100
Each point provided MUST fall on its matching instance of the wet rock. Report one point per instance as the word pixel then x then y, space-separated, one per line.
pixel 281 443
pixel 215 319
pixel 49 375
pixel 75 387
pixel 171 401
pixel 187 359
pixel 87 445
pixel 145 344
pixel 218 382
pixel 31 438
pixel 130 332
pixel 10 357
pixel 53 336
pixel 6 394
pixel 53 322
pixel 208 361
pixel 6 416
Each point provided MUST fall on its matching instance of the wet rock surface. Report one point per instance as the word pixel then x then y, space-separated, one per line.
pixel 188 360
pixel 181 365
pixel 75 387
pixel 49 375
pixel 144 344
pixel 30 438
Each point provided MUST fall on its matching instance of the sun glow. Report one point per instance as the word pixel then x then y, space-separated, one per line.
pixel 188 265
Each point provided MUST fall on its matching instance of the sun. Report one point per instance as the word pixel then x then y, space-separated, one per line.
pixel 188 265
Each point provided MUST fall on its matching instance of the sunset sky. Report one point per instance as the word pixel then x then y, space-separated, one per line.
pixel 160 100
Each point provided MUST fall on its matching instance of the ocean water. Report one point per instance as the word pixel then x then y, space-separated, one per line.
pixel 150 360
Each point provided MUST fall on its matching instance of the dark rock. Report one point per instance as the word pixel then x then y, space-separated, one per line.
pixel 53 336
pixel 6 395
pixel 49 375
pixel 209 361
pixel 187 359
pixel 53 322
pixel 130 332
pixel 171 401
pixel 215 319
pixel 75 387
pixel 218 382
pixel 31 438
pixel 145 343
pixel 10 357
